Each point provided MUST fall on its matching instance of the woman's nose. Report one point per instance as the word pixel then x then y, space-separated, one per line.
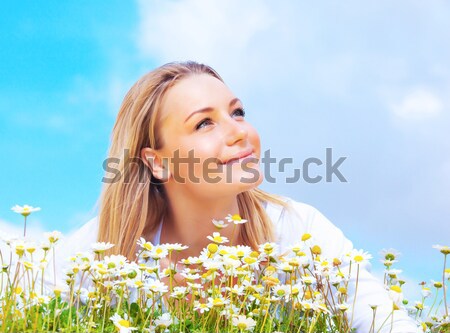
pixel 236 132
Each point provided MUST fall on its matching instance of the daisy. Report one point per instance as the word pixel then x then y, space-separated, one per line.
pixel 156 286
pixel 216 238
pixel 220 224
pixel 343 307
pixel 175 247
pixel 179 292
pixel 393 273
pixel 268 248
pixel 25 210
pixel 201 307
pixel 158 252
pixel 164 321
pixel 236 290
pixel 236 219
pixel 53 236
pixel 216 302
pixel 122 324
pixel 101 247
pixel 243 323
pixel 426 292
pixel 436 284
pixel 282 291
pixel 308 279
pixel 359 256
pixel 190 276
pixel 396 294
pixel 144 244
pixel 444 249
pixel 390 254
pixel 285 267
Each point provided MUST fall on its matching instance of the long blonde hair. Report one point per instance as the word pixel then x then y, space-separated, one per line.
pixel 134 201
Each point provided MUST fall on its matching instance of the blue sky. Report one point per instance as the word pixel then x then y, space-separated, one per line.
pixel 370 80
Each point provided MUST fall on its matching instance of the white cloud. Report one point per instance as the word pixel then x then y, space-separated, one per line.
pixel 419 104
pixel 202 30
pixel 10 230
pixel 15 230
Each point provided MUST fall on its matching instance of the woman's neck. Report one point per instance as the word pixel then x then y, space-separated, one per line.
pixel 189 222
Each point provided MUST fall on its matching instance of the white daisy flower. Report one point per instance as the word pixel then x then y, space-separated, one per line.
pixel 308 279
pixel 444 249
pixel 158 252
pixel 244 323
pixel 179 292
pixel 217 238
pixel 156 286
pixel 53 236
pixel 217 301
pixel 236 219
pixel 164 321
pixel 201 307
pixel 359 256
pixel 101 247
pixel 426 292
pixel 220 224
pixel 25 210
pixel 396 294
pixel 175 247
pixel 123 325
pixel 389 254
pixel 144 244
pixel 282 291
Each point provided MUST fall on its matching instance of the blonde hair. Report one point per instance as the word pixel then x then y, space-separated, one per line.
pixel 137 202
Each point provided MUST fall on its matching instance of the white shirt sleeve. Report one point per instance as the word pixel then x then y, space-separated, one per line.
pixel 300 218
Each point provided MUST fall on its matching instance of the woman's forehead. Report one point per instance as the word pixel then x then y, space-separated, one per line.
pixel 193 93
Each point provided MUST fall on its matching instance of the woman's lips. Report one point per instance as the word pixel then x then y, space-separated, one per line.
pixel 240 156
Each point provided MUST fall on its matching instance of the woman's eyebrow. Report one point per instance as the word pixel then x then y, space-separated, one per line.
pixel 209 109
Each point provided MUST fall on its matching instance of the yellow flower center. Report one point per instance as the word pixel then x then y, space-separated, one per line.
pixel 212 248
pixel 437 284
pixel 217 302
pixel 305 237
pixel 316 249
pixel 396 289
pixel 249 260
pixel 124 323
pixel 236 217
pixel 281 292
pixel 358 258
pixel 241 326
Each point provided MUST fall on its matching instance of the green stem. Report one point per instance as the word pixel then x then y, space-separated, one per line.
pixel 443 286
pixel 354 299
pixel 24 226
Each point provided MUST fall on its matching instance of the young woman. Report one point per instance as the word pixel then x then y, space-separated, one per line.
pixel 184 155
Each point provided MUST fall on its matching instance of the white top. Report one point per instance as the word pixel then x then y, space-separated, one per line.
pixel 291 223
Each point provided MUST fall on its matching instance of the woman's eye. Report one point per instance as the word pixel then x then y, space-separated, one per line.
pixel 239 112
pixel 203 123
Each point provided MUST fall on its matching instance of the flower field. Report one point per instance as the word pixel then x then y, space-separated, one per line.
pixel 225 289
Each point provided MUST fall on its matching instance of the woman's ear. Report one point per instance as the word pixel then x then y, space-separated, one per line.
pixel 158 165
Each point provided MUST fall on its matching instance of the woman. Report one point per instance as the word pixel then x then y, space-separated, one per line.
pixel 186 155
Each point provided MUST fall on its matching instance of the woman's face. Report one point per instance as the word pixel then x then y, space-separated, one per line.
pixel 212 150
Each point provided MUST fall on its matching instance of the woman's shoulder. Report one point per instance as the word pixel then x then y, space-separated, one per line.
pixel 80 239
pixel 292 219
pixel 289 209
